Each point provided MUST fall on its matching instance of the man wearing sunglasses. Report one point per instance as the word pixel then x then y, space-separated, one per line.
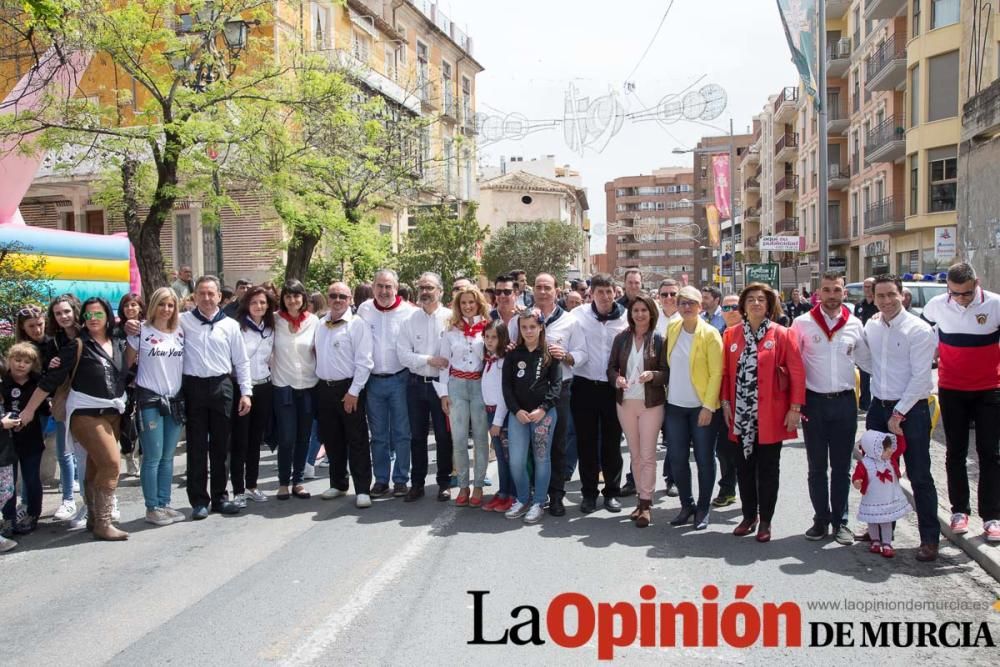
pixel 667 299
pixel 504 288
pixel 967 320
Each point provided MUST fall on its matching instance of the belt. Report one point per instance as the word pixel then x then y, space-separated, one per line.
pixel 884 403
pixel 568 382
pixel 834 394
pixel 260 382
pixel 583 380
pixel 426 379
pixel 214 378
pixel 336 383
pixel 387 375
pixel 465 375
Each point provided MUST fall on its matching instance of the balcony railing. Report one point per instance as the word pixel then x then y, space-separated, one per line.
pixel 789 182
pixel 891 50
pixel 838 231
pixel 448 100
pixel 884 216
pixel 787 226
pixel 839 49
pixel 751 212
pixel 788 95
pixel 787 140
pixel 752 183
pixel 885 133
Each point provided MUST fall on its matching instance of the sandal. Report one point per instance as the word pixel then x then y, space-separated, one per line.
pixel 299 492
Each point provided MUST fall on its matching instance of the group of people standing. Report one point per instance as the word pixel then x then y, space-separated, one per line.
pixel 538 385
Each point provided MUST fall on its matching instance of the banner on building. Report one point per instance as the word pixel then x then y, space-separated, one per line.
pixel 782 243
pixel 720 170
pixel 945 243
pixel 799 18
pixel 712 214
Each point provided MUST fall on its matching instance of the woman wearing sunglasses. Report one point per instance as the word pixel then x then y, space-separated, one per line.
pixel 96 364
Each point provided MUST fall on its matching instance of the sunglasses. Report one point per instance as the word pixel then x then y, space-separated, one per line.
pixel 338 297
pixel 664 295
pixel 684 303
pixel 503 292
pixel 94 315
pixel 29 312
pixel 729 309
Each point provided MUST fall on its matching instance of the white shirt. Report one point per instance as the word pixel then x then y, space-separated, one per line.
pixel 562 332
pixel 663 321
pixel 259 349
pixel 830 363
pixel 680 389
pixel 294 363
pixel 464 353
pixel 385 328
pixel 420 338
pixel 592 346
pixel 161 359
pixel 633 369
pixel 492 385
pixel 216 349
pixel 344 351
pixel 902 351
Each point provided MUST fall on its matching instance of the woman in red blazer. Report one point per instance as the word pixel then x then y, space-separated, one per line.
pixel 763 389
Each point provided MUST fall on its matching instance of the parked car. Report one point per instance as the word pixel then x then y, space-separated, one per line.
pixel 922 293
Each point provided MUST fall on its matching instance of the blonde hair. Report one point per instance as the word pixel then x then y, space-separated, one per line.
pixel 456 311
pixel 158 297
pixel 25 351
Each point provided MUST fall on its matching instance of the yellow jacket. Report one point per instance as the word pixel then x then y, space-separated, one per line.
pixel 705 362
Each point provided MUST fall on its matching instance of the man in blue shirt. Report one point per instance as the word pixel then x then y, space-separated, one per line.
pixel 711 308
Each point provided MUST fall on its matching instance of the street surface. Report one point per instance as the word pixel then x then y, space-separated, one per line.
pixel 320 582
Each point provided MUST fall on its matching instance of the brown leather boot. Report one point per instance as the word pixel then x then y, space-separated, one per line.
pixel 103 529
pixel 645 516
pixel 88 501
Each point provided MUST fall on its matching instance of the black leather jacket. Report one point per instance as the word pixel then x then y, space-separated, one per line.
pixel 98 375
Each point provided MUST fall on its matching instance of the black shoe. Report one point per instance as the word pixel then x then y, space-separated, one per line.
pixel 819 531
pixel 588 505
pixel 556 507
pixel 612 504
pixel 399 491
pixel 225 507
pixel 700 520
pixel 843 535
pixel 628 489
pixel 671 491
pixel 26 525
pixel 415 493
pixel 683 517
pixel 444 495
pixel 379 489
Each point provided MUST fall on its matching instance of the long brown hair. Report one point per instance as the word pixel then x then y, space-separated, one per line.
pixel 542 344
pixel 243 312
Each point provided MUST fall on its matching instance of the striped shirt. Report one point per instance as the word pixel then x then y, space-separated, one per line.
pixel 968 341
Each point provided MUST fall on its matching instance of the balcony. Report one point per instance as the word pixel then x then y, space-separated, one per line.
pixel 837 118
pixel 838 177
pixel 886 142
pixel 785 189
pixel 449 109
pixel 750 156
pixel 886 68
pixel 751 214
pixel 373 79
pixel 468 121
pixel 752 184
pixel 838 231
pixel 838 58
pixel 835 9
pixel 788 226
pixel 787 147
pixel 883 9
pixel 784 106
pixel 885 217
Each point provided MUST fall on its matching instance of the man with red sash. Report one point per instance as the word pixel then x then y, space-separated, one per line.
pixel 830 339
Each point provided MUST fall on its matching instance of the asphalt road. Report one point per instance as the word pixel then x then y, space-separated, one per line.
pixel 320 582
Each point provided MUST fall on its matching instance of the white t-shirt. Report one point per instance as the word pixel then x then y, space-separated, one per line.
pixel 680 390
pixel 161 359
pixel 633 371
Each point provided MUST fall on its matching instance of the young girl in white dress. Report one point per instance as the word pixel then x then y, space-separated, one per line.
pixel 877 477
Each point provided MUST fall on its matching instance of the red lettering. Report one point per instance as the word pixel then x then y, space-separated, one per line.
pixel 555 620
pixel 793 623
pixel 607 640
pixel 710 617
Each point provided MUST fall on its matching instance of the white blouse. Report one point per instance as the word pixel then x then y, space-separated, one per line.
pixel 464 353
pixel 633 371
pixel 259 349
pixel 294 362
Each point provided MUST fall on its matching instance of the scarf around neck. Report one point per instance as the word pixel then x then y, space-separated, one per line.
pixel 261 328
pixel 473 330
pixel 617 310
pixel 218 317
pixel 747 417
pixel 294 323
pixel 820 317
pixel 394 305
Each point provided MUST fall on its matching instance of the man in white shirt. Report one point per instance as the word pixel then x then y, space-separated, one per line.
pixel 343 364
pixel 506 310
pixel 213 349
pixel 417 347
pixel 385 399
pixel 830 339
pixel 902 349
pixel 593 398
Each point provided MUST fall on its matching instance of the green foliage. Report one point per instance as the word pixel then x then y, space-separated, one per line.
pixel 443 243
pixel 22 282
pixel 535 247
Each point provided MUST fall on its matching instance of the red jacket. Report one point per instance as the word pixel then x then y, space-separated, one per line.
pixel 780 347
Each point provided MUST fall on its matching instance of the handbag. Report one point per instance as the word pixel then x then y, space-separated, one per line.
pixel 58 407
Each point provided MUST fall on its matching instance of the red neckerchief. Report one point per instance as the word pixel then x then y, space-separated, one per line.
pixel 817 314
pixel 490 359
pixel 471 331
pixel 395 303
pixel 294 322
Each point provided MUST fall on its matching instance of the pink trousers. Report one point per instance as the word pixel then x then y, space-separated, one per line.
pixel 641 426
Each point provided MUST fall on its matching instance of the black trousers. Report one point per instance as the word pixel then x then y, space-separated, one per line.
pixel 424 408
pixel 248 433
pixel 758 479
pixel 958 408
pixel 209 403
pixel 344 435
pixel 557 480
pixel 725 454
pixel 593 407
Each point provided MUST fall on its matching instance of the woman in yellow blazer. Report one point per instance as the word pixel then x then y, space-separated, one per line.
pixel 694 355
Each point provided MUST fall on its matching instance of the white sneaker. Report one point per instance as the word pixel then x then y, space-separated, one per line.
pixel 516 511
pixel 309 472
pixel 116 515
pixel 256 495
pixel 240 500
pixel 79 519
pixel 6 545
pixel 66 510
pixel 76 486
pixel 175 516
pixel 332 493
pixel 323 462
pixel 131 468
pixel 363 500
pixel 534 515
pixel 158 517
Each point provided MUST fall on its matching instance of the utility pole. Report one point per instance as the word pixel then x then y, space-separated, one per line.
pixel 824 165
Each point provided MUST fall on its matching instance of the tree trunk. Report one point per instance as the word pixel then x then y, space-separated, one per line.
pixel 145 237
pixel 300 252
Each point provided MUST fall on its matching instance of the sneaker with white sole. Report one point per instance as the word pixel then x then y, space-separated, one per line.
pixel 79 519
pixel 309 472
pixel 535 514
pixel 22 513
pixel 6 545
pixel 991 531
pixel 363 500
pixel 332 493
pixel 516 511
pixel 116 514
pixel 131 468
pixel 240 500
pixel 175 516
pixel 76 486
pixel 256 495
pixel 66 510
pixel 158 517
pixel 323 462
pixel 959 523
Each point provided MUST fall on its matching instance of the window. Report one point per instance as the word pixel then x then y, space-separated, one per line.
pixel 651 190
pixel 390 62
pixel 209 251
pixel 942 86
pixel 361 46
pixel 944 12
pixel 182 240
pixel 467 100
pixel 385 230
pixel 942 165
pixel 855 215
pixel 661 206
pixel 423 73
pixel 866 202
pixel 322 32
pixel 915 30
pixel 402 47
pixel 908 262
pixel 914 183
pixel 915 96
pixel 447 143
pixel 856 97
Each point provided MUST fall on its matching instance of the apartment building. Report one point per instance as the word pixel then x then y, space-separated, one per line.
pixel 750 173
pixel 651 225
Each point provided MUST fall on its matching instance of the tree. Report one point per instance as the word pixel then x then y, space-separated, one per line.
pixel 441 242
pixel 535 247
pixel 22 281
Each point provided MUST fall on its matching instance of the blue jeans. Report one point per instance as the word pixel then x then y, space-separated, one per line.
pixel 67 462
pixel 293 420
pixel 535 438
pixel 917 431
pixel 389 422
pixel 572 456
pixel 829 426
pixel 467 408
pixel 158 437
pixel 314 443
pixel 501 447
pixel 668 474
pixel 682 432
